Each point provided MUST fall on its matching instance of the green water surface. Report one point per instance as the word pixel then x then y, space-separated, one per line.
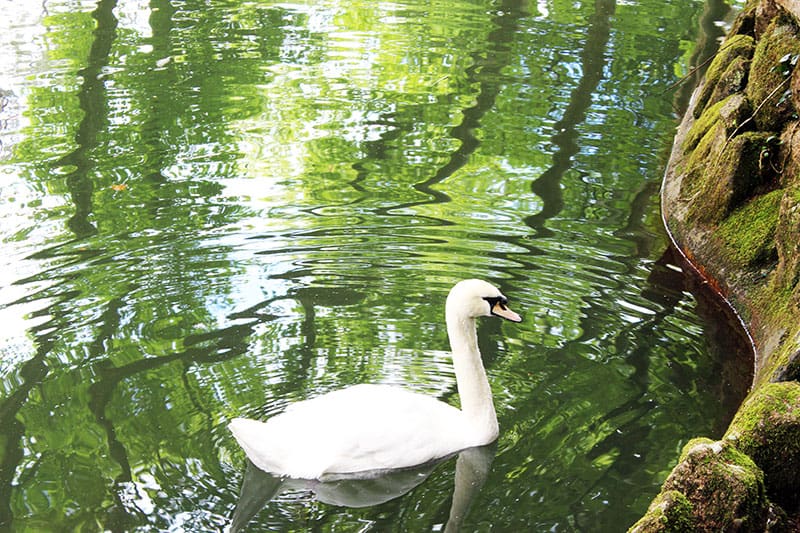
pixel 213 208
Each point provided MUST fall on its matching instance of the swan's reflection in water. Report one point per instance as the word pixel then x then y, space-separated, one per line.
pixel 368 489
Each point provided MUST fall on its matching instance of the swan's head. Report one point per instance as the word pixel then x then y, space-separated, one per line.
pixel 474 298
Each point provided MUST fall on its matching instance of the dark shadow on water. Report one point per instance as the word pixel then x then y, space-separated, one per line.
pixel 730 354
pixel 730 347
pixel 368 489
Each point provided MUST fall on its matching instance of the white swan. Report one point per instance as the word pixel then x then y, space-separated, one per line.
pixel 377 427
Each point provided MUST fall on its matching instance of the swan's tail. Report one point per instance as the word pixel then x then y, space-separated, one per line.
pixel 242 428
pixel 253 437
pixel 272 448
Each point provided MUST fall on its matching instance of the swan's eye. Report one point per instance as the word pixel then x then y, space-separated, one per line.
pixel 496 300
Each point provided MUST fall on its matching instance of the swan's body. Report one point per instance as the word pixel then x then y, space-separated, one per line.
pixel 378 427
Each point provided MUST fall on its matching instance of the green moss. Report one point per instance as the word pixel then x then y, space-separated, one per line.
pixel 787 238
pixel 733 80
pixel 790 369
pixel 732 112
pixel 692 445
pixel 730 174
pixel 710 134
pixel 773 300
pixel 785 363
pixel 778 311
pixel 701 127
pixel 749 232
pixel 768 83
pixel 744 24
pixel 670 511
pixel 771 399
pixel 697 161
pixel 723 485
pixel 737 46
pixel 767 428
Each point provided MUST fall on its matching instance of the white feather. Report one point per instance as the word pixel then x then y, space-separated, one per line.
pixel 376 427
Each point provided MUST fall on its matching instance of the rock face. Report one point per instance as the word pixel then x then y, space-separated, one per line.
pixel 715 487
pixel 731 203
pixel 767 429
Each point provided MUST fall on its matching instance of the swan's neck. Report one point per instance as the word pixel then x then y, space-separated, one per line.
pixel 473 387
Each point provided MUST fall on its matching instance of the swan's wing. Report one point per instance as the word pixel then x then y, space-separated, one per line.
pixel 366 427
pixel 392 427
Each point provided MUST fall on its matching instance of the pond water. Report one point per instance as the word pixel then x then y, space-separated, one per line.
pixel 214 208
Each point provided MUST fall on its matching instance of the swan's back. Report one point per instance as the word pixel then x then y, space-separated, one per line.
pixel 364 427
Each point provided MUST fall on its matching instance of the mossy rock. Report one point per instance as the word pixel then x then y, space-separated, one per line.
pixel 787 368
pixel 724 487
pixel 789 157
pixel 767 429
pixel 738 212
pixel 745 22
pixel 705 137
pixel 732 81
pixel 732 113
pixel 768 83
pixel 733 174
pixel 787 238
pixel 714 137
pixel 700 128
pixel 795 88
pixel 748 234
pixel 766 11
pixel 720 78
pixel 669 512
pixel 792 369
